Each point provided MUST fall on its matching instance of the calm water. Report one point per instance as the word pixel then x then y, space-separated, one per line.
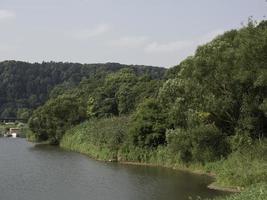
pixel 29 172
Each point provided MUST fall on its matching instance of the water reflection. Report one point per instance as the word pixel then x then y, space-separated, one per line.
pixel 30 172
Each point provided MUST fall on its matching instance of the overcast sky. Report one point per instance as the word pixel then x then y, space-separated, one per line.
pixel 150 32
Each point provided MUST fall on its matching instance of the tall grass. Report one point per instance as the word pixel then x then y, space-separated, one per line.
pixel 254 192
pixel 100 139
pixel 242 168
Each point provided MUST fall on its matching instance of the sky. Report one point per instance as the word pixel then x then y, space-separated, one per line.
pixel 147 32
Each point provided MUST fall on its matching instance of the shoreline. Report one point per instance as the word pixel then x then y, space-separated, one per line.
pixel 212 186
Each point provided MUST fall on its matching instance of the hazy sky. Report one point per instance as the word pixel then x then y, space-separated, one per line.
pixel 151 32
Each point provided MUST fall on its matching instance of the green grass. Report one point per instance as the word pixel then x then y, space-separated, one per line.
pixel 254 192
pixel 242 168
pixel 100 139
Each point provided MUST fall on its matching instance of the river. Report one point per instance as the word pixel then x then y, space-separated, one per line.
pixel 39 172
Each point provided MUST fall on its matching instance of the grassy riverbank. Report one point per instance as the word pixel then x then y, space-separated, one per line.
pixel 254 192
pixel 106 139
pixel 91 138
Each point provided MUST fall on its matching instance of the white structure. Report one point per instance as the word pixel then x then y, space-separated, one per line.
pixel 14 132
pixel 14 135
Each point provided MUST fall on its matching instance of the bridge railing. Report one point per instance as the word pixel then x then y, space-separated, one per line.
pixel 8 120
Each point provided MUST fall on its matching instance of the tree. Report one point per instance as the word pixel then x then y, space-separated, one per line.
pixel 23 113
pixel 50 121
pixel 200 144
pixel 147 128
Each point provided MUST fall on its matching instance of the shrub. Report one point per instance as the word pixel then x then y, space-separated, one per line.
pixel 147 128
pixel 201 144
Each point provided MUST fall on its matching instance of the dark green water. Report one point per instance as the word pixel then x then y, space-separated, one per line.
pixel 29 172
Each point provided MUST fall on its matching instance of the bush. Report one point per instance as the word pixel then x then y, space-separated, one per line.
pixel 201 144
pixel 147 128
pixel 179 142
pixel 50 121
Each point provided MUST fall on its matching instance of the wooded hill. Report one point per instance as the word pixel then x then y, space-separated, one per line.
pixel 25 86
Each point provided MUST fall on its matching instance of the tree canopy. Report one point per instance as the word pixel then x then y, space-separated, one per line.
pixel 25 86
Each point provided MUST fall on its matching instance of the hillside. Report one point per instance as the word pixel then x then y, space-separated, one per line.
pixel 25 86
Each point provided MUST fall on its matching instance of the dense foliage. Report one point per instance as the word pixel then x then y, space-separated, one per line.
pixel 148 125
pixel 25 86
pixel 52 120
pixel 219 96
pixel 113 95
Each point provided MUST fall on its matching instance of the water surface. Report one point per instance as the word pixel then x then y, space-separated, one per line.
pixel 30 172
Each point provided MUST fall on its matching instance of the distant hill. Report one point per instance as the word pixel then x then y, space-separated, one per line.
pixel 25 86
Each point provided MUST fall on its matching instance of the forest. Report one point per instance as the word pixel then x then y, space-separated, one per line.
pixel 209 113
pixel 25 86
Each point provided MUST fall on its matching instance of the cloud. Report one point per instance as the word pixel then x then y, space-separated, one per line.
pixel 4 48
pixel 183 45
pixel 156 47
pixel 129 42
pixel 209 36
pixel 85 34
pixel 7 14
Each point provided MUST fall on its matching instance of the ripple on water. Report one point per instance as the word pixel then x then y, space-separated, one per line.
pixel 30 172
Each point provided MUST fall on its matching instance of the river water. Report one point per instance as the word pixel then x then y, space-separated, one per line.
pixel 38 172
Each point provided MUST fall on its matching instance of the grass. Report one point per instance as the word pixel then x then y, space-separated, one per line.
pixel 254 192
pixel 242 168
pixel 100 139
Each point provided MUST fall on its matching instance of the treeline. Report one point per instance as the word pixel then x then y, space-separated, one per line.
pixel 211 111
pixel 25 86
pixel 113 95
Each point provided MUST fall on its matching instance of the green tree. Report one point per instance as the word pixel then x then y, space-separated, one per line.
pixel 50 121
pixel 147 128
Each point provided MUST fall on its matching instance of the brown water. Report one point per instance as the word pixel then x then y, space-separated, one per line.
pixel 29 172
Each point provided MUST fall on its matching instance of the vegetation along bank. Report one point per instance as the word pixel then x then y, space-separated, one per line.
pixel 208 113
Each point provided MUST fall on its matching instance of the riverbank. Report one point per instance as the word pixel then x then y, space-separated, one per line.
pixel 212 186
pixel 106 140
pixel 23 129
pixel 105 155
pixel 251 192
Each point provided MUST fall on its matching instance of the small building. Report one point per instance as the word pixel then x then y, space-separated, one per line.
pixel 9 123
pixel 14 132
